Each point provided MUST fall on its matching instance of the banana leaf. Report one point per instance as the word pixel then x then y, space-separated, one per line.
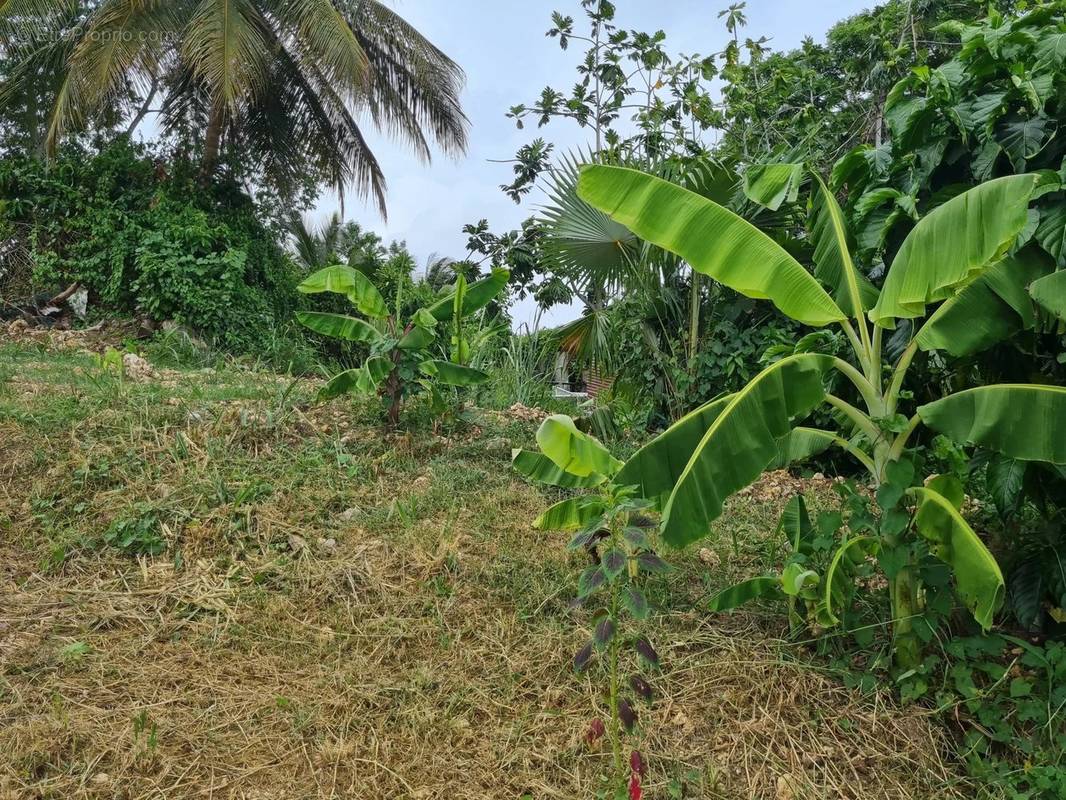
pixel 800 444
pixel 364 380
pixel 1050 293
pixel 771 185
pixel 418 338
pixel 477 296
pixel 833 246
pixel 713 240
pixel 572 450
pixel 745 592
pixel 992 308
pixel 339 326
pixel 453 374
pixel 1022 421
pixel 741 442
pixel 978 579
pixel 952 245
pixel 656 467
pixel 570 515
pixel 542 469
pixel 350 282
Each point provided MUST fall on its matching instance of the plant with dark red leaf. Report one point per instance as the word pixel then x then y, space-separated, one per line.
pixel 613 528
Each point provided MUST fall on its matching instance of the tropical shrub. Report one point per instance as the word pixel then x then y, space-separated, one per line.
pixel 148 240
pixel 611 528
pixel 963 259
pixel 403 352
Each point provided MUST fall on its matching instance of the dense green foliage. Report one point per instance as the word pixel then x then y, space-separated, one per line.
pixel 145 238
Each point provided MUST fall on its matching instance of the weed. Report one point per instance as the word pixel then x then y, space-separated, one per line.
pixel 137 535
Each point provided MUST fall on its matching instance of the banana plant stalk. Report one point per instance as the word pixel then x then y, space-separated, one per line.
pixel 963 261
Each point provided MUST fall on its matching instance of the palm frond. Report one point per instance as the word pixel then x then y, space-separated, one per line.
pixel 582 243
pixel 122 46
pixel 225 45
pixel 325 34
pixel 415 87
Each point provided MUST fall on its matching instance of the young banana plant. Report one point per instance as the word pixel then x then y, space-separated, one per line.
pixel 401 360
pixel 963 261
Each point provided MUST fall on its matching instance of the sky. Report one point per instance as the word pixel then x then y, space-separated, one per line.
pixel 508 60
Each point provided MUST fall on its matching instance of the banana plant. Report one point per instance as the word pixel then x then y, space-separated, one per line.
pixel 963 269
pixel 404 355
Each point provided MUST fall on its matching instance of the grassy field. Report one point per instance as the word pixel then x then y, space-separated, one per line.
pixel 335 613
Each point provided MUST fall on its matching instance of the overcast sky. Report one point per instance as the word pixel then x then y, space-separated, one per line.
pixel 508 60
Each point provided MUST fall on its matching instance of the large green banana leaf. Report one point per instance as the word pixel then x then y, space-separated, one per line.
pixel 350 282
pixel 741 442
pixel 745 592
pixel 1050 293
pixel 771 185
pixel 572 450
pixel 992 308
pixel 952 245
pixel 800 444
pixel 713 240
pixel 1022 421
pixel 570 514
pixel 418 338
pixel 978 579
pixel 339 326
pixel 364 380
pixel 453 374
pixel 477 296
pixel 833 266
pixel 656 467
pixel 542 469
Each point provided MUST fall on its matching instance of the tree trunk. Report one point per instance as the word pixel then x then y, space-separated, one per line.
pixel 213 142
pixel 142 112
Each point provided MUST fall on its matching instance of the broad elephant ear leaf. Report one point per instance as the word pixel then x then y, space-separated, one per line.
pixel 992 308
pixel 574 451
pixel 476 296
pixel 833 246
pixel 339 326
pixel 542 469
pixel 745 592
pixel 351 283
pixel 741 442
pixel 978 579
pixel 453 374
pixel 713 240
pixel 1050 293
pixel 656 467
pixel 952 245
pixel 1022 421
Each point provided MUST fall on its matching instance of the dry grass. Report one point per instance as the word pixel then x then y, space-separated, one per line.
pixel 342 616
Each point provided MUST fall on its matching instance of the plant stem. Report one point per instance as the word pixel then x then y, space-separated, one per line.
pixel 862 421
pixel 616 721
pixel 904 363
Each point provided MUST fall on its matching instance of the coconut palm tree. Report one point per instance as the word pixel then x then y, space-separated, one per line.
pixel 281 82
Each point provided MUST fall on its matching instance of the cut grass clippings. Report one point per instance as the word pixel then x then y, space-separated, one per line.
pixel 338 614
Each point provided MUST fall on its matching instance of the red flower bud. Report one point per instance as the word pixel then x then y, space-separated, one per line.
pixel 635 792
pixel 636 763
pixel 595 731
